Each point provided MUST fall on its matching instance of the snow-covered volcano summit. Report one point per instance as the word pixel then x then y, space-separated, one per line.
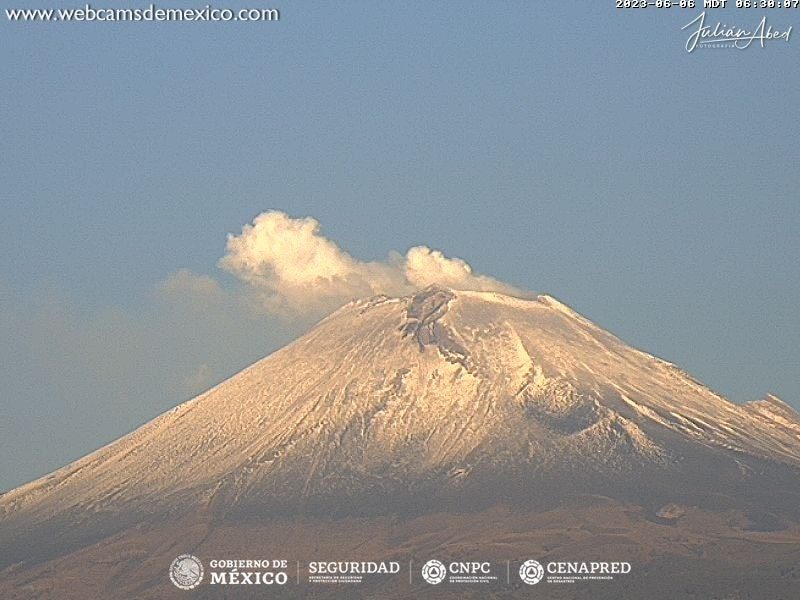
pixel 438 400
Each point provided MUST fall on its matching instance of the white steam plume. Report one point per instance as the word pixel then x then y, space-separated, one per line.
pixel 294 271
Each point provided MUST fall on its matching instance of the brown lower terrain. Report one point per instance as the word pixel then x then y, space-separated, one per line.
pixel 690 553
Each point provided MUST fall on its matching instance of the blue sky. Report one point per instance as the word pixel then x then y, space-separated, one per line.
pixel 561 147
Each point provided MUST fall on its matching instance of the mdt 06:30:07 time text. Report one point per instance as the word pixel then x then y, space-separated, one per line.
pixel 693 3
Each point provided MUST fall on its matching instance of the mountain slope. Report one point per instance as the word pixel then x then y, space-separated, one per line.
pixel 441 401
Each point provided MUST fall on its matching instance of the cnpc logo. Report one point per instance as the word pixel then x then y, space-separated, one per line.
pixel 435 572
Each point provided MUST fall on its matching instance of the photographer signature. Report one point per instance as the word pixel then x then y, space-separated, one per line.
pixel 730 35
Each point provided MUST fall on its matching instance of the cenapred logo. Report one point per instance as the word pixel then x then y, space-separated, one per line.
pixel 434 572
pixel 186 572
pixel 531 572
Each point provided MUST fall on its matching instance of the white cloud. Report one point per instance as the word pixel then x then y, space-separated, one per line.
pixel 294 271
pixel 423 267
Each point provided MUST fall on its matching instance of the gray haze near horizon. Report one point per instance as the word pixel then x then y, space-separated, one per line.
pixel 572 150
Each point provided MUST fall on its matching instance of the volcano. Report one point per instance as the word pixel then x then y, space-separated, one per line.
pixel 449 423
